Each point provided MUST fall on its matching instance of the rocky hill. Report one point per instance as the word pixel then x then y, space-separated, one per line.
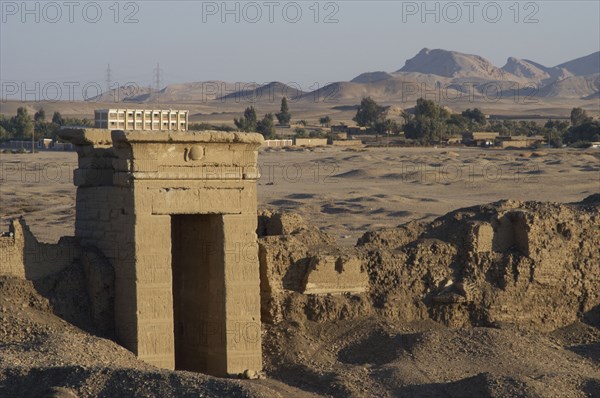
pixel 533 71
pixel 272 92
pixel 435 68
pixel 573 87
pixel 371 77
pixel 452 64
pixel 590 64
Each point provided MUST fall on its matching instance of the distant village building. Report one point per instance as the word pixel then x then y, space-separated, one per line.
pixel 339 129
pixel 141 119
pixel 479 138
pixel 495 139
pixel 349 130
pixel 45 143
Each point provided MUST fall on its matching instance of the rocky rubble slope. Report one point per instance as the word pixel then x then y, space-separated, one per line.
pixel 42 355
pixel 376 357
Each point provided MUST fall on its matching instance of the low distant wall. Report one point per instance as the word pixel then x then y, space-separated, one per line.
pixel 277 143
pixel 310 141
pixel 347 143
pixel 517 144
pixel 26 144
pixel 62 146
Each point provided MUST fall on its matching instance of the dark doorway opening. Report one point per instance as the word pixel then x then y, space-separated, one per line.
pixel 198 292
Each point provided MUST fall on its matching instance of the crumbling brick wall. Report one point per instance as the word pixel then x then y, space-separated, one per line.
pixel 23 256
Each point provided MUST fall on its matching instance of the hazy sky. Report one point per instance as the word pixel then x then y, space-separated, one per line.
pixel 276 40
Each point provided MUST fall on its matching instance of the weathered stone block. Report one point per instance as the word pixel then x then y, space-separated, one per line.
pixel 480 237
pixel 330 274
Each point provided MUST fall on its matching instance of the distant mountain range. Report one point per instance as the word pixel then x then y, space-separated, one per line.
pixel 453 72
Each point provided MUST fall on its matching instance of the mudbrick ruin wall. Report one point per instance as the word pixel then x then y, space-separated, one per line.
pixel 530 264
pixel 22 256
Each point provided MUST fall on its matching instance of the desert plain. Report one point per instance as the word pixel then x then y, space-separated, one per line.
pixel 344 192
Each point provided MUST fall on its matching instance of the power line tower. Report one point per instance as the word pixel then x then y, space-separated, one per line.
pixel 108 79
pixel 157 77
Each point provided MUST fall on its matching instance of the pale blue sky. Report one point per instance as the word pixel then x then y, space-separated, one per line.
pixel 369 36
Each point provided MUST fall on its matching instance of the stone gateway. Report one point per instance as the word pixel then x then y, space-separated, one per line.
pixel 175 214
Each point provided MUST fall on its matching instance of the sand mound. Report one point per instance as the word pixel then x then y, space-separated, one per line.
pixel 373 357
pixel 398 176
pixel 357 173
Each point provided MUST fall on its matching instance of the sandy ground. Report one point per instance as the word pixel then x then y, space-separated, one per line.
pixel 345 192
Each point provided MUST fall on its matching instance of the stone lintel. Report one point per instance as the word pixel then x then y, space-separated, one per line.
pixel 86 136
pixel 103 137
pixel 185 137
